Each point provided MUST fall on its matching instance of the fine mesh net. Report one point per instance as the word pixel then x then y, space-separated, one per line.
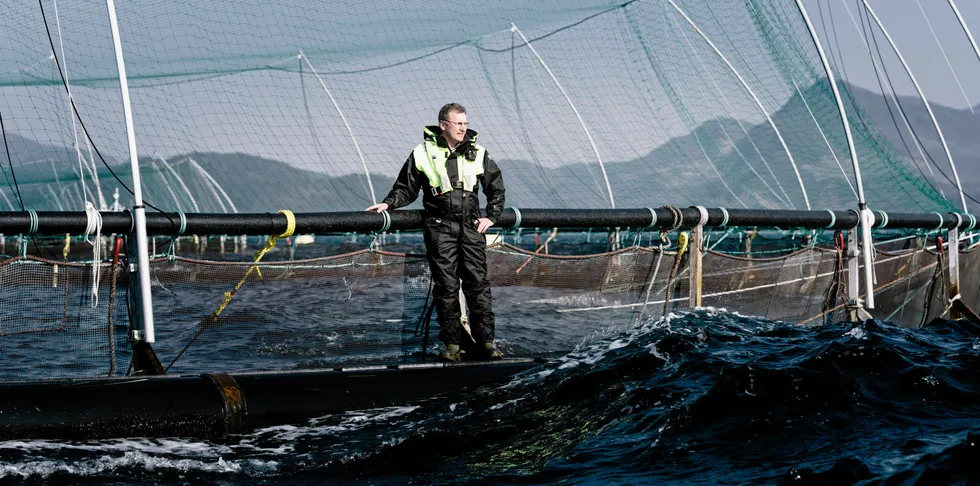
pixel 362 304
pixel 250 106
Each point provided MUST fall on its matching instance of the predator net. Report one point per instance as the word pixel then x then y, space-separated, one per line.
pixel 341 301
pixel 254 106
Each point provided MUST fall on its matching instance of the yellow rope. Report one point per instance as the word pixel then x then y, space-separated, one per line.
pixel 290 228
pixel 64 251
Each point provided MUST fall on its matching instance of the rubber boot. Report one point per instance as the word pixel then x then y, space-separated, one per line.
pixel 492 351
pixel 451 353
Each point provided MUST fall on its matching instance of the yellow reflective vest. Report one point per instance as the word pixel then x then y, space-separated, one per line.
pixel 430 159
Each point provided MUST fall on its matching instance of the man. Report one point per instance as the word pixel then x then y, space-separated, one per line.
pixel 449 167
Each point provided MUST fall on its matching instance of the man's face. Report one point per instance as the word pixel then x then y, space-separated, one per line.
pixel 454 127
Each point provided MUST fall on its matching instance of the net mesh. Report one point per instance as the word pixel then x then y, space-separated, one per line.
pixel 247 106
pixel 363 305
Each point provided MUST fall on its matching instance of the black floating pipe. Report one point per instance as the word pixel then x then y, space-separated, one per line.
pixel 170 224
pixel 219 404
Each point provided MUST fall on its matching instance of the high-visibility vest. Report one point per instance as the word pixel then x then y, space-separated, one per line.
pixel 430 159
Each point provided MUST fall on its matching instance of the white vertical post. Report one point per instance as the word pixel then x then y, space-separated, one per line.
pixel 695 261
pixel 853 283
pixel 954 268
pixel 865 214
pixel 925 101
pixel 139 211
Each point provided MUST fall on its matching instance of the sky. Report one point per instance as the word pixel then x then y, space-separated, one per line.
pixel 908 27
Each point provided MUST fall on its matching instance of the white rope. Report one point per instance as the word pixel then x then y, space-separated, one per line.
pixel 93 225
pixel 925 102
pixel 343 118
pixel 894 98
pixel 772 124
pixel 720 294
pixel 581 121
pixel 728 107
pixel 956 78
pixel 826 141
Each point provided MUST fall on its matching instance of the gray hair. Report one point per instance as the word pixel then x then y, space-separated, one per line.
pixel 449 108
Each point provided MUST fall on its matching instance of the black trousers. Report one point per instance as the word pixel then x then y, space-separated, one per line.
pixel 457 251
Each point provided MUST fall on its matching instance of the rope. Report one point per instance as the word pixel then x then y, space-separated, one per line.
pixel 949 306
pixel 544 246
pixel 646 295
pixel 877 290
pixel 833 219
pixel 837 290
pixel 111 326
pixel 678 217
pixel 724 221
pixel 937 276
pixel 423 324
pixel 681 248
pixel 93 225
pixel 213 318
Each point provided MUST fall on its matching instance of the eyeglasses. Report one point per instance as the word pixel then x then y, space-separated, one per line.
pixel 458 124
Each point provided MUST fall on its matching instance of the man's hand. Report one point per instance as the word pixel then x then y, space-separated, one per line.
pixel 483 224
pixel 378 207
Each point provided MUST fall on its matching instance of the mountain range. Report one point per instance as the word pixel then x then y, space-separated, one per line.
pixel 677 172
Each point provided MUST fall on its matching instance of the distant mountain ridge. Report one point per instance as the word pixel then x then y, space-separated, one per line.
pixel 260 184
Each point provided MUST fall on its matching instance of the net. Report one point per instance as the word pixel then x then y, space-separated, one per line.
pixel 363 305
pixel 247 106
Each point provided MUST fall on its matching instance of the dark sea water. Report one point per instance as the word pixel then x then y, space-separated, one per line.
pixel 703 397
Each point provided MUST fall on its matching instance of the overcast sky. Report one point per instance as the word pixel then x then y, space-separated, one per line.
pixel 908 27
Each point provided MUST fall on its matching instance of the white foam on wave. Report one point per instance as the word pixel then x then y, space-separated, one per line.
pixel 857 333
pixel 587 299
pixel 288 435
pixel 134 459
pixel 148 446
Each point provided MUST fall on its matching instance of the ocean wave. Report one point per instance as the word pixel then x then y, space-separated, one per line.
pixel 705 396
